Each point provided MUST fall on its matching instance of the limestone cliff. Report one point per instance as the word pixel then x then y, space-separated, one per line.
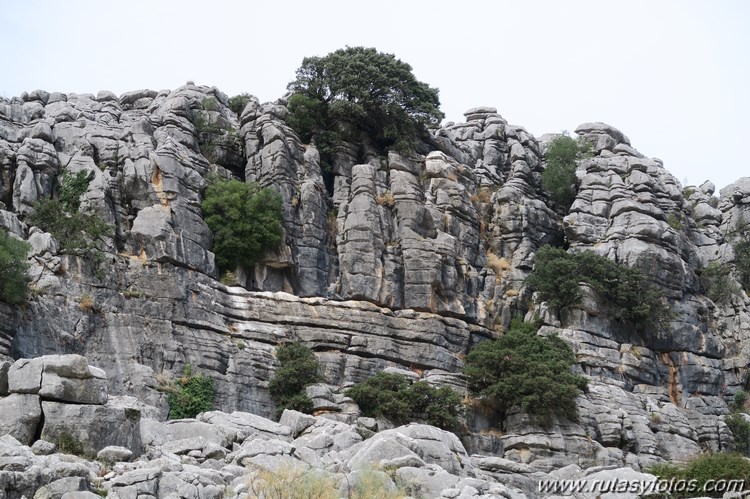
pixel 388 261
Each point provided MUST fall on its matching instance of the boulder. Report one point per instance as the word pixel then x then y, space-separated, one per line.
pixel 91 428
pixel 20 415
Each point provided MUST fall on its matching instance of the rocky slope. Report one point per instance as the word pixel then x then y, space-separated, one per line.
pixel 388 262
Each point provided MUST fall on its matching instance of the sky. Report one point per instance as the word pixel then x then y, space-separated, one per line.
pixel 674 76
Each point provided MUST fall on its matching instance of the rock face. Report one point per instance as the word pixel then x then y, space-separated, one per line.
pixel 388 262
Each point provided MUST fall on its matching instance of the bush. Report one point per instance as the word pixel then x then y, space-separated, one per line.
pixel 716 280
pixel 741 431
pixel 521 369
pixel 559 175
pixel 395 398
pixel 71 190
pixel 742 262
pixel 14 282
pixel 557 276
pixel 706 468
pixel 190 395
pixel 298 369
pixel 245 220
pixel 77 232
pixel 238 102
pixel 359 92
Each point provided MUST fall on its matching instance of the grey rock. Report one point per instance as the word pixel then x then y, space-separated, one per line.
pixel 43 448
pixel 20 415
pixel 114 454
pixel 56 489
pixel 79 391
pixel 92 427
pixel 25 376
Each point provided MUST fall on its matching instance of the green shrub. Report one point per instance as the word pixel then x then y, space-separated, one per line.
pixel 71 190
pixel 557 274
pixel 190 395
pixel 716 281
pixel 245 220
pixel 742 262
pixel 238 102
pixel 524 370
pixel 298 369
pixel 77 232
pixel 359 92
pixel 706 468
pixel 394 397
pixel 559 175
pixel 741 431
pixel 739 400
pixel 14 282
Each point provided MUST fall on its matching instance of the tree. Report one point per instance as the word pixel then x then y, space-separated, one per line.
pixel 359 92
pixel 524 370
pixel 245 220
pixel 559 175
pixel 13 266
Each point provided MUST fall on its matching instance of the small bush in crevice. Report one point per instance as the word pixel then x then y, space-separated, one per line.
pixel 742 261
pixel 14 281
pixel 521 369
pixel 395 398
pixel 238 102
pixel 559 175
pixel 716 280
pixel 190 395
pixel 298 369
pixel 706 468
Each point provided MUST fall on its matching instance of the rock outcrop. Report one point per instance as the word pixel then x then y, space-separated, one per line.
pixel 388 262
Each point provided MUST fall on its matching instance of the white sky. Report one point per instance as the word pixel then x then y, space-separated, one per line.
pixel 672 75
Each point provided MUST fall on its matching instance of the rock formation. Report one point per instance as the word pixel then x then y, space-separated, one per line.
pixel 388 262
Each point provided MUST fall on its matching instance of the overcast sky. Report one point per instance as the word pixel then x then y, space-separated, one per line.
pixel 672 75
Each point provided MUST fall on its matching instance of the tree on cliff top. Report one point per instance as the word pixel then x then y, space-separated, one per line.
pixel 359 92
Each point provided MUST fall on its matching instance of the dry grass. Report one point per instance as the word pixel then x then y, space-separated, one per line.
pixel 86 303
pixel 291 483
pixel 297 483
pixel 386 199
pixel 497 264
pixel 511 293
pixel 483 195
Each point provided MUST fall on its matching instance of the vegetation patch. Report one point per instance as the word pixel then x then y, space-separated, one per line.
pixel 557 276
pixel 396 398
pixel 708 468
pixel 526 371
pixel 190 395
pixel 245 220
pixel 14 281
pixel 298 369
pixel 559 175
pixel 238 102
pixel 717 282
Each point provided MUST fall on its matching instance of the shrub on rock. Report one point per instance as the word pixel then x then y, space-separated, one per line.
pixel 527 371
pixel 397 399
pixel 245 220
pixel 298 369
